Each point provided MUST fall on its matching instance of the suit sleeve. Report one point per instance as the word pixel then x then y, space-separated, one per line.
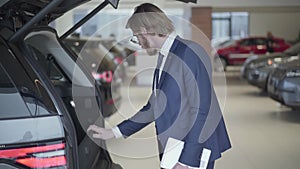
pixel 199 96
pixel 138 121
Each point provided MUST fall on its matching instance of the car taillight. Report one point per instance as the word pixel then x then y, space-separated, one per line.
pixel 46 156
pixel 270 62
pixel 106 76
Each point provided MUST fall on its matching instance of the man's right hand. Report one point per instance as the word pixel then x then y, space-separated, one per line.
pixel 101 133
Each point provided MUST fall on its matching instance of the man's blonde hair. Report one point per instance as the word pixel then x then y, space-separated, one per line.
pixel 150 17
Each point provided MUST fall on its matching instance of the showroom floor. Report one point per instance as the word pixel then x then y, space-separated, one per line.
pixel 264 134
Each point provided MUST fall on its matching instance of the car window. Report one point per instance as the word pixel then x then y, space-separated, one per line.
pixel 246 42
pixel 9 94
pixel 20 95
pixel 102 60
pixel 49 66
pixel 92 54
pixel 260 41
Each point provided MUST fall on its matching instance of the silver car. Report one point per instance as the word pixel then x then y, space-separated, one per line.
pixel 284 84
pixel 256 71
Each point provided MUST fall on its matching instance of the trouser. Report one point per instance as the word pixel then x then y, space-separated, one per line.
pixel 211 165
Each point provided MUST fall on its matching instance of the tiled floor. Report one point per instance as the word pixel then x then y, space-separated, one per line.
pixel 264 135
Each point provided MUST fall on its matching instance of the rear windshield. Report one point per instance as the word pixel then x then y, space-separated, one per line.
pixel 12 104
pixel 93 53
pixel 21 96
pixel 19 101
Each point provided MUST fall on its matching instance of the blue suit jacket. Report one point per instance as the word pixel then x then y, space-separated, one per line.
pixel 185 105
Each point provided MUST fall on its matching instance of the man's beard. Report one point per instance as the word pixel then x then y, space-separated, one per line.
pixel 151 51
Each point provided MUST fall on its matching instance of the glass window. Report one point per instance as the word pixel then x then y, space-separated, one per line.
pixel 260 41
pixel 247 42
pixel 232 25
pixel 20 95
pixel 9 94
pixel 47 63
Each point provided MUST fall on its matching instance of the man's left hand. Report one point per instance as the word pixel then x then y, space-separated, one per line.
pixel 101 133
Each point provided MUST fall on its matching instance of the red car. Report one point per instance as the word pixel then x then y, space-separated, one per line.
pixel 237 53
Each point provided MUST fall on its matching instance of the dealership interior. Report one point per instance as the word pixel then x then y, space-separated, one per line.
pixel 263 132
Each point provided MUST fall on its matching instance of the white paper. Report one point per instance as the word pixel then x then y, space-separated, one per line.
pixel 172 153
pixel 204 158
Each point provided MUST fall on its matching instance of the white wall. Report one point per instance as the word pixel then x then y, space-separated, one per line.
pixel 279 16
pixel 285 25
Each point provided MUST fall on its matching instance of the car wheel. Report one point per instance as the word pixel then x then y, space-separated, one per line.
pixel 220 64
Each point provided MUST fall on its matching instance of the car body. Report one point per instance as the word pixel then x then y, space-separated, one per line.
pixel 131 53
pixel 100 63
pixel 236 53
pixel 30 119
pixel 257 70
pixel 284 83
pixel 119 53
pixel 47 98
pixel 131 50
pixel 222 42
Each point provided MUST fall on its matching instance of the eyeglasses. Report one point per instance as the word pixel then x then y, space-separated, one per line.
pixel 135 39
pixel 136 36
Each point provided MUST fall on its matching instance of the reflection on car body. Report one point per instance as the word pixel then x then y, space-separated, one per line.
pixel 100 63
pixel 284 83
pixel 119 54
pixel 256 71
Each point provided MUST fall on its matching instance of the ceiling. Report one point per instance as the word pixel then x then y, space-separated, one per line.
pixel 212 3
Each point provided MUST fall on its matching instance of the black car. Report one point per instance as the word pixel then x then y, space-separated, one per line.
pixel 256 69
pixel 284 83
pixel 131 51
pixel 119 54
pixel 100 63
pixel 47 98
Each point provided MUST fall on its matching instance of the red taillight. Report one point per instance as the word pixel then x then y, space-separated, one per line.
pixel 106 76
pixel 43 162
pixel 37 157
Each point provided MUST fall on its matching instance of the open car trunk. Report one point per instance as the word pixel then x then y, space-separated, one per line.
pixel 24 26
pixel 77 91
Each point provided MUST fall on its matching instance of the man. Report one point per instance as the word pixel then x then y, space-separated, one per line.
pixel 183 103
pixel 270 42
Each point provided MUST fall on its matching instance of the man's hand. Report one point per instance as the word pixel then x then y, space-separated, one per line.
pixel 178 166
pixel 101 133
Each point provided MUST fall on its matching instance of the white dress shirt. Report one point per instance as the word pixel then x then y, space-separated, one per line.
pixel 164 51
